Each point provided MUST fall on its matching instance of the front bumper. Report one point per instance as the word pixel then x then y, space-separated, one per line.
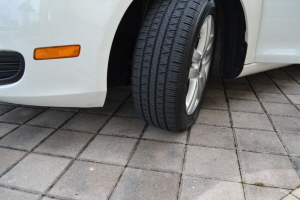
pixel 71 82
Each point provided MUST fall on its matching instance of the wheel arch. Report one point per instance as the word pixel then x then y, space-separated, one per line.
pixel 231 45
pixel 227 65
pixel 119 65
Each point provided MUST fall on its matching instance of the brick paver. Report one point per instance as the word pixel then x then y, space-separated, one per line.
pixel 264 193
pixel 140 185
pixel 259 141
pixel 193 188
pixel 85 180
pixel 6 128
pixel 244 146
pixel 271 170
pixel 212 136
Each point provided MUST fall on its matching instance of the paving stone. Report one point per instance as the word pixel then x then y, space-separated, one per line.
pixel 161 156
pixel 6 128
pixel 212 136
pixel 48 198
pixel 235 85
pixel 242 95
pixel 111 150
pixel 8 158
pixel 292 142
pixel 215 103
pixel 65 143
pixel 270 97
pixel 20 115
pixel 294 98
pixel 259 141
pixel 290 197
pixel 296 193
pixel 261 79
pixel 280 76
pixel 207 162
pixel 297 78
pixel 5 108
pixel 251 120
pixel 286 124
pixel 25 137
pixel 245 106
pixel 205 189
pixel 289 82
pixel 154 133
pixel 140 185
pixel 9 194
pixel 35 172
pixel 271 170
pixel 68 109
pixel 85 180
pixel 297 163
pixel 114 95
pixel 266 88
pixel 281 109
pixel 122 126
pixel 215 82
pixel 90 123
pixel 213 117
pixel 290 90
pixel 51 119
pixel 127 110
pixel 291 68
pixel 276 71
pixel 214 93
pixel 109 108
pixel 264 193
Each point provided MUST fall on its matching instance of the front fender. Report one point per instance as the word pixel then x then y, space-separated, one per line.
pixel 26 25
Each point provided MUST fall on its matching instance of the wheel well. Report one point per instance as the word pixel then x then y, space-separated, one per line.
pixel 120 61
pixel 230 52
pixel 231 47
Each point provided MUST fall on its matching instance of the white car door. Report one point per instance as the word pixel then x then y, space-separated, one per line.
pixel 279 33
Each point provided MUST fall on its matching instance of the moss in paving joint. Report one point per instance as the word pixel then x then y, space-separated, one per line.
pixel 243 182
pixel 298 156
pixel 260 184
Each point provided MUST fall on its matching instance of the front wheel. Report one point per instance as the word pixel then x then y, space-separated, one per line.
pixel 172 60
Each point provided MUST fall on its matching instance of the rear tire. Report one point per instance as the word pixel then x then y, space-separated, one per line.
pixel 167 89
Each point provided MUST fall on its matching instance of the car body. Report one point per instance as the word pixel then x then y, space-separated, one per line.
pixel 272 31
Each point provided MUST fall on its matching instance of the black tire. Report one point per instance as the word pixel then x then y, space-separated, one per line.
pixel 162 60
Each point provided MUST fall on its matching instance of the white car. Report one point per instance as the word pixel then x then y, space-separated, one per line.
pixel 68 52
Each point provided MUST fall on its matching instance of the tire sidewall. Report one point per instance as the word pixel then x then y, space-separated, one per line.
pixel 188 120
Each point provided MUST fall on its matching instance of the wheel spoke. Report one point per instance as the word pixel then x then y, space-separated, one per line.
pixel 199 69
pixel 200 88
pixel 207 56
pixel 206 69
pixel 194 72
pixel 208 31
pixel 197 56
pixel 203 75
pixel 203 38
pixel 209 50
pixel 192 96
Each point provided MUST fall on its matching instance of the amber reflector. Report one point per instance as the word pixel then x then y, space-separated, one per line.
pixel 57 52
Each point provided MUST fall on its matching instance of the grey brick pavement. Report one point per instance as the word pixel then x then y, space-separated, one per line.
pixel 245 145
